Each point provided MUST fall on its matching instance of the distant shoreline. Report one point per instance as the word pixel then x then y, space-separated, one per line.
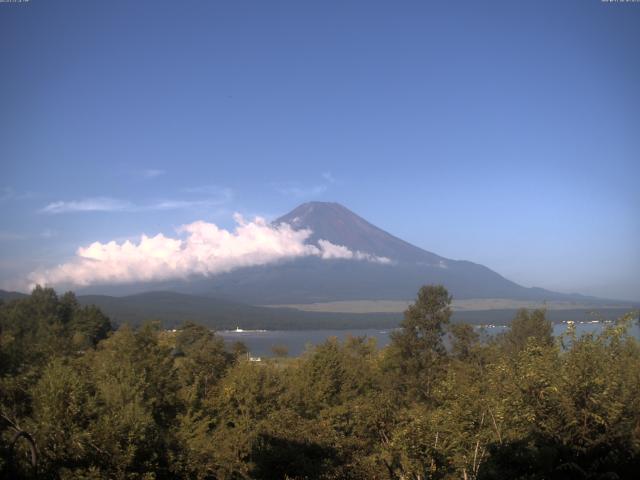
pixel 471 304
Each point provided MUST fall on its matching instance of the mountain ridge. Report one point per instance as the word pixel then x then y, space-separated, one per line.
pixel 336 223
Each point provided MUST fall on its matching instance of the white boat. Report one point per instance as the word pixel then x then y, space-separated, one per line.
pixel 242 330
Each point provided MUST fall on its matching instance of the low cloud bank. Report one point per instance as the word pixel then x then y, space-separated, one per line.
pixel 201 249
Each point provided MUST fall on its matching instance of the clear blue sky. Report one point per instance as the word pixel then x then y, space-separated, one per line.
pixel 502 132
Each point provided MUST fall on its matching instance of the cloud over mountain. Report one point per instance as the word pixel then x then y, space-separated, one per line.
pixel 201 248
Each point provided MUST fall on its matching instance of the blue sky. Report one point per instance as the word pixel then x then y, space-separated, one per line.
pixel 506 133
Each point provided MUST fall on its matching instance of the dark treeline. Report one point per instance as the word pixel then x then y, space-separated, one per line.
pixel 145 403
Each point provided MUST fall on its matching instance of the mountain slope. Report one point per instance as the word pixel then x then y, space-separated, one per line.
pixel 315 280
pixel 339 225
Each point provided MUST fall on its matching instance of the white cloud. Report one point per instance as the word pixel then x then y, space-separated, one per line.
pixel 201 249
pixel 331 250
pixel 105 204
pixel 99 204
pixel 177 204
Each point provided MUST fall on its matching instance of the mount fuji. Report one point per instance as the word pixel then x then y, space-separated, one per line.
pixel 405 268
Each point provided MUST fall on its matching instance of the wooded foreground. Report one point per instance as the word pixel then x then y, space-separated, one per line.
pixel 142 403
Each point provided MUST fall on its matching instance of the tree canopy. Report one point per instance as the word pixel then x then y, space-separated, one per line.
pixel 143 403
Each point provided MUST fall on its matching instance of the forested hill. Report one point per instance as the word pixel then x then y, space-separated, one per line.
pixel 7 296
pixel 172 309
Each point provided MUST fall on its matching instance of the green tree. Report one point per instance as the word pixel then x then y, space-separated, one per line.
pixel 203 361
pixel 464 340
pixel 64 409
pixel 528 325
pixel 247 396
pixel 417 354
pixel 88 325
pixel 136 389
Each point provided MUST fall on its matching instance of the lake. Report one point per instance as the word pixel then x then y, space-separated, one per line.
pixel 260 342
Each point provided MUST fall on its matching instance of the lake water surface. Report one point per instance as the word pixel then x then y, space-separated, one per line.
pixel 260 343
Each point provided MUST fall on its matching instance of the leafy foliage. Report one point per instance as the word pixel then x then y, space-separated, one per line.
pixel 436 403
